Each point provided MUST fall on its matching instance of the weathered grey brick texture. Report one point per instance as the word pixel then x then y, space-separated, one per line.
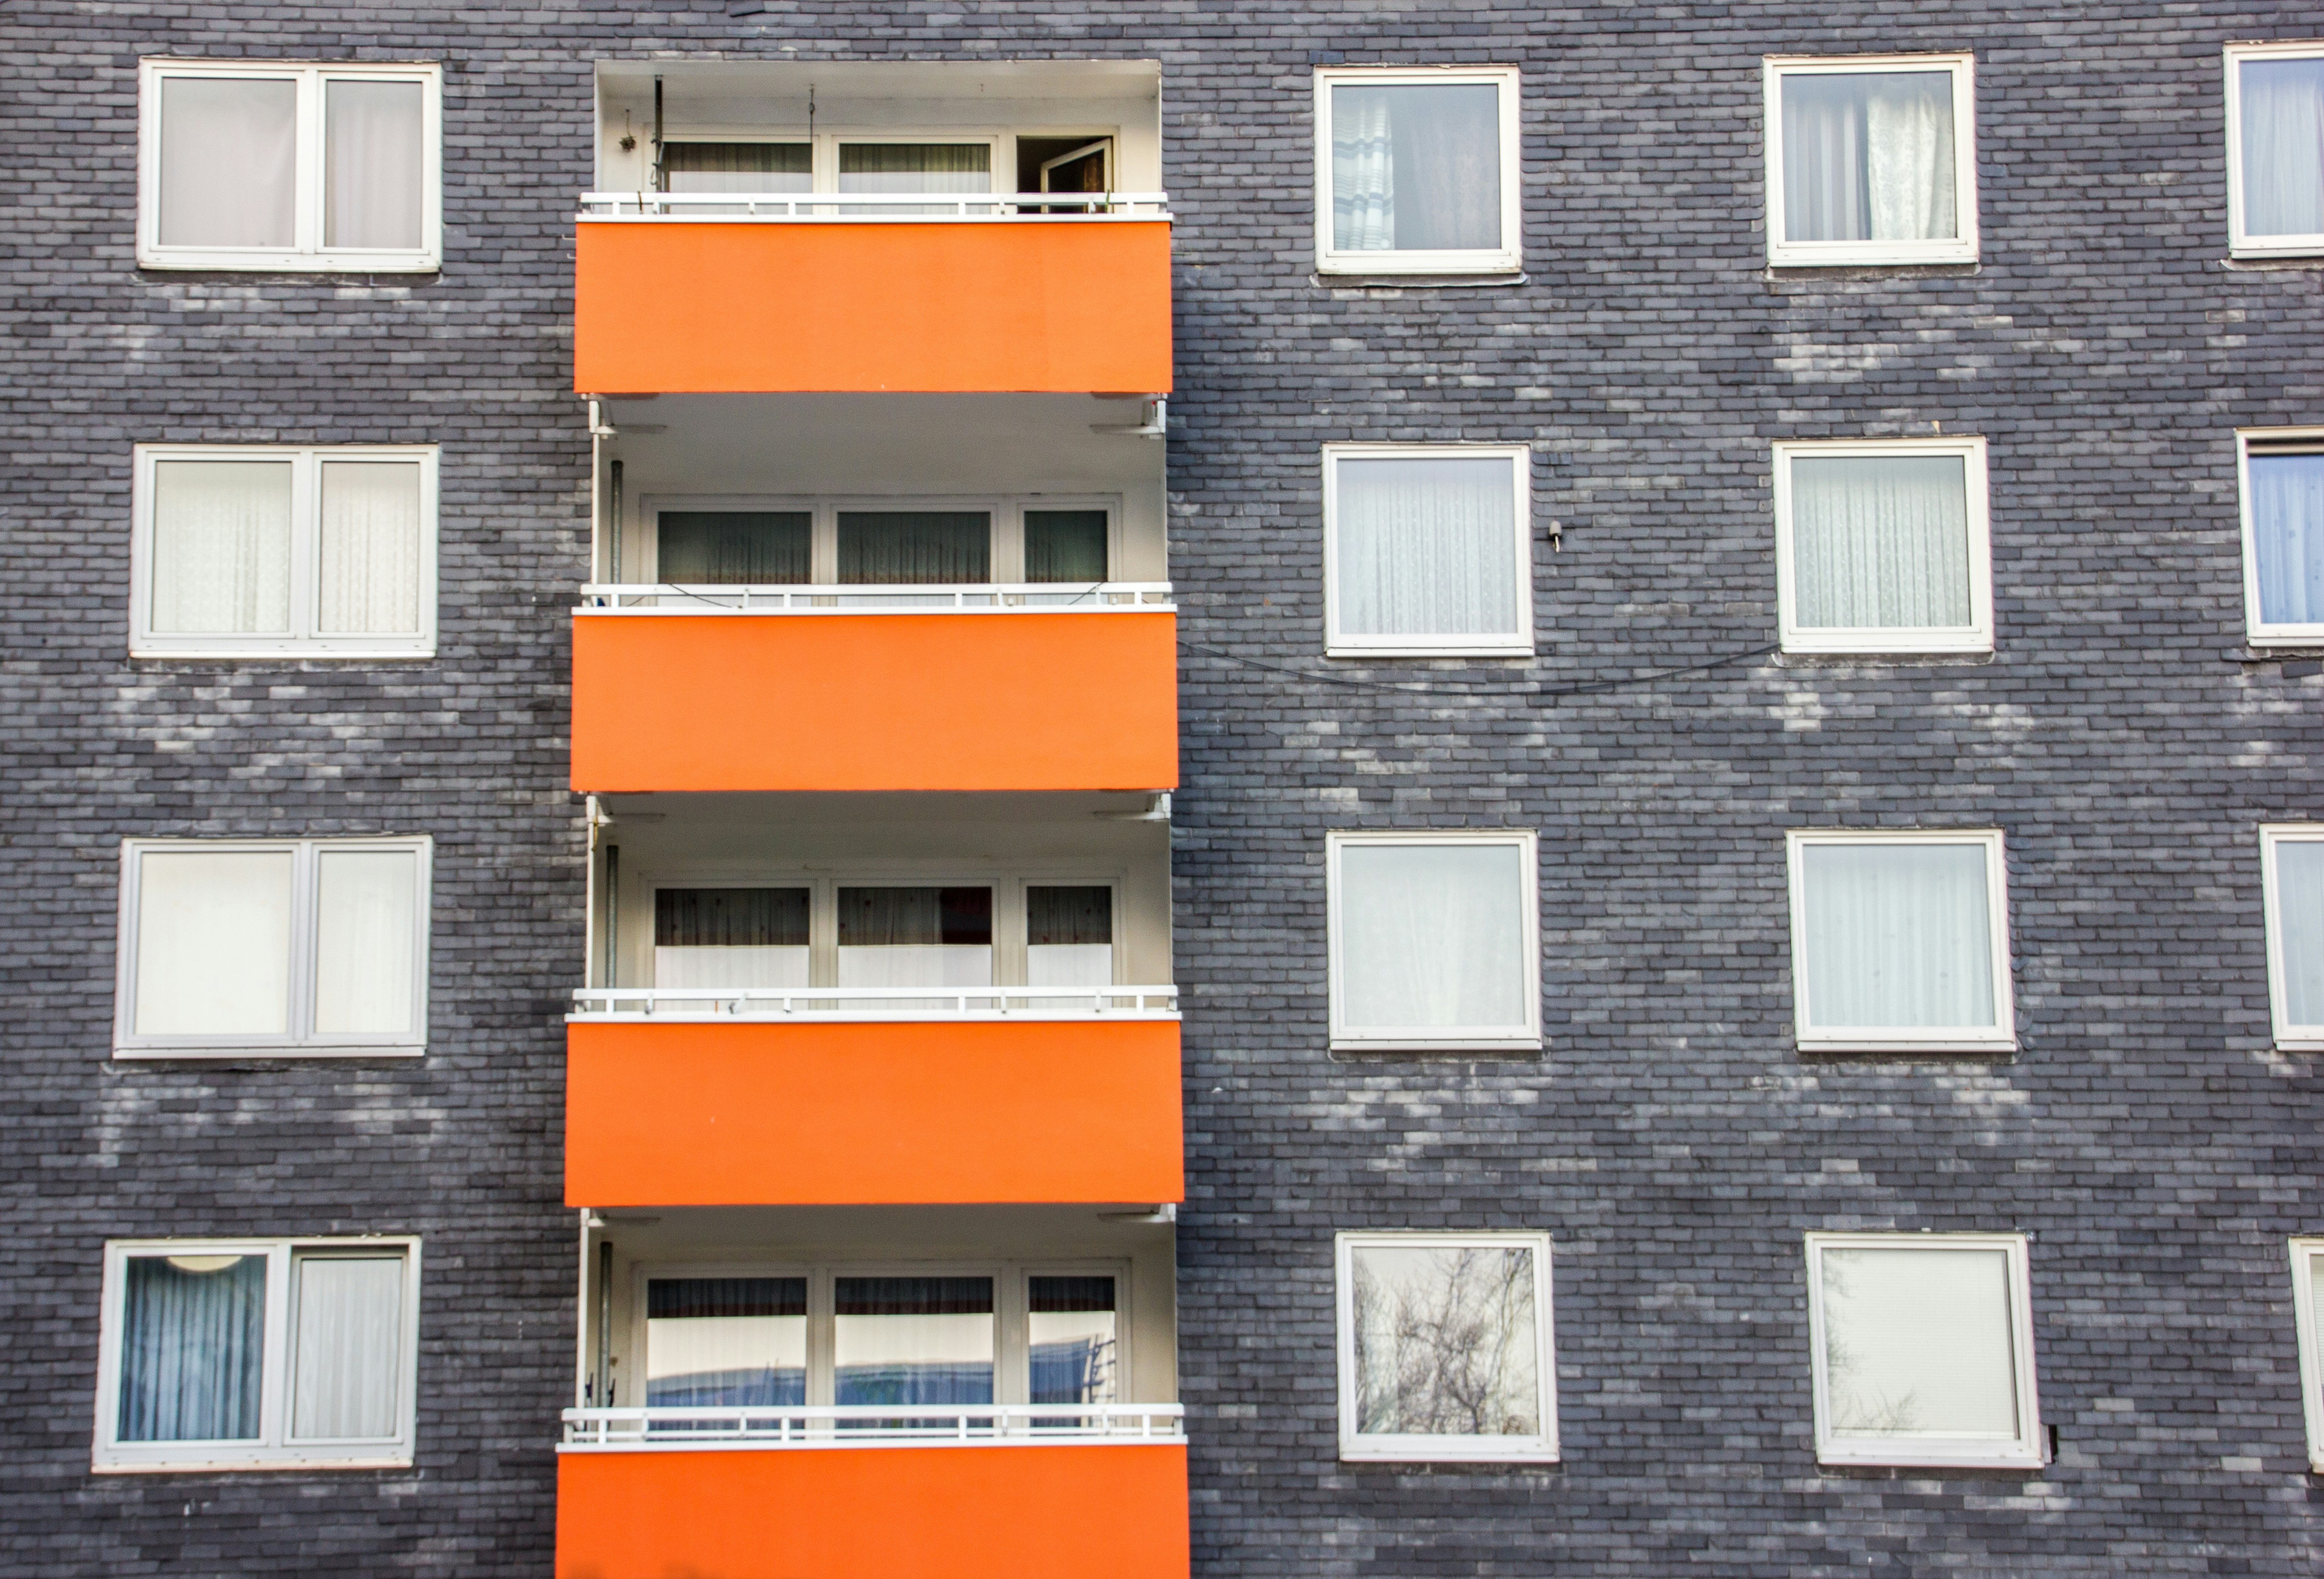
pixel 2148 1138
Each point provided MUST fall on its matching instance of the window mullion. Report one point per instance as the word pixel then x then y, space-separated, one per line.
pixel 306 923
pixel 275 1368
pixel 306 225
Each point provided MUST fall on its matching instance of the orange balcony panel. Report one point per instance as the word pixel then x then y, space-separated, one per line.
pixel 1033 306
pixel 854 1113
pixel 1029 1512
pixel 875 701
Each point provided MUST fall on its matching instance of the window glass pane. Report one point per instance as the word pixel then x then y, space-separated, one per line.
pixel 2287 516
pixel 730 937
pixel 1918 1341
pixel 1880 541
pixel 895 547
pixel 1065 545
pixel 915 167
pixel 2300 909
pixel 229 156
pixel 2282 111
pixel 1416 168
pixel 222 547
pixel 214 943
pixel 1433 935
pixel 1899 934
pixel 1068 937
pixel 1869 156
pixel 1445 1342
pixel 725 1340
pixel 1070 1327
pixel 374 165
pixel 1425 548
pixel 737 547
pixel 368 913
pixel 346 1367
pixel 370 572
pixel 915 936
pixel 192 1337
pixel 736 167
pixel 914 1340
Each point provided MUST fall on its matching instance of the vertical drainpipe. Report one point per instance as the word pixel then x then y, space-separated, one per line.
pixel 614 558
pixel 613 915
pixel 604 1324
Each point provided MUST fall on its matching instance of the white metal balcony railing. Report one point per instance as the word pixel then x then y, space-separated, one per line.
pixel 950 1005
pixel 861 206
pixel 874 1426
pixel 980 597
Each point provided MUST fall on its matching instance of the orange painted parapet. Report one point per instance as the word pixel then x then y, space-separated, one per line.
pixel 868 1113
pixel 876 701
pixel 1035 306
pixel 1044 1512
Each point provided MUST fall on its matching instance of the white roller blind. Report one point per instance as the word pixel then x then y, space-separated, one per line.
pixel 775 965
pixel 373 164
pixel 1899 934
pixel 213 943
pixel 229 162
pixel 1068 964
pixel 1919 1342
pixel 371 539
pixel 1425 547
pixel 1433 935
pixel 346 1379
pixel 366 925
pixel 222 547
pixel 2300 910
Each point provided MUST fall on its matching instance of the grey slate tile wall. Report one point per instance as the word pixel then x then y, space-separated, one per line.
pixel 2156 1147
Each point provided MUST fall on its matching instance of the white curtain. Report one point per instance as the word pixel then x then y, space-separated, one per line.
pixel 1919 1341
pixel 1445 1342
pixel 915 167
pixel 1068 936
pixel 222 547
pixel 346 1359
pixel 1899 934
pixel 1425 548
pixel 913 1340
pixel 213 943
pixel 2287 515
pixel 229 159
pixel 1869 156
pixel 1880 541
pixel 1433 935
pixel 192 1348
pixel 762 965
pixel 915 937
pixel 2299 907
pixel 371 546
pixel 2282 112
pixel 366 925
pixel 1416 168
pixel 374 148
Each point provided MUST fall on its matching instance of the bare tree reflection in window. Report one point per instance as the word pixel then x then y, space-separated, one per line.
pixel 1445 1342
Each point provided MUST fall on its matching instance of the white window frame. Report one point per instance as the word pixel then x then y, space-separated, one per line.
pixel 303 640
pixel 274 1447
pixel 1517 643
pixel 1959 248
pixel 2258 631
pixel 2240 244
pixel 1431 1039
pixel 1011 1311
pixel 301 1040
pixel 2306 1252
pixel 2028 1450
pixel 1505 259
pixel 2001 1037
pixel 1376 1446
pixel 2273 836
pixel 1976 636
pixel 306 255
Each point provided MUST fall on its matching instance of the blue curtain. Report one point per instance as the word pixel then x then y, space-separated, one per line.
pixel 2287 512
pixel 192 1348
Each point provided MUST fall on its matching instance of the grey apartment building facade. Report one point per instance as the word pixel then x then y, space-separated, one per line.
pixel 1399 790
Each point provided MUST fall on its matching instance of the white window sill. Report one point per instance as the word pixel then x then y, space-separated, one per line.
pixel 2288 247
pixel 290 647
pixel 278 1458
pixel 2306 1039
pixel 1417 649
pixel 1438 1044
pixel 1355 265
pixel 274 262
pixel 1889 643
pixel 1447 1450
pixel 2308 636
pixel 275 1050
pixel 1867 1042
pixel 1910 1454
pixel 1852 255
